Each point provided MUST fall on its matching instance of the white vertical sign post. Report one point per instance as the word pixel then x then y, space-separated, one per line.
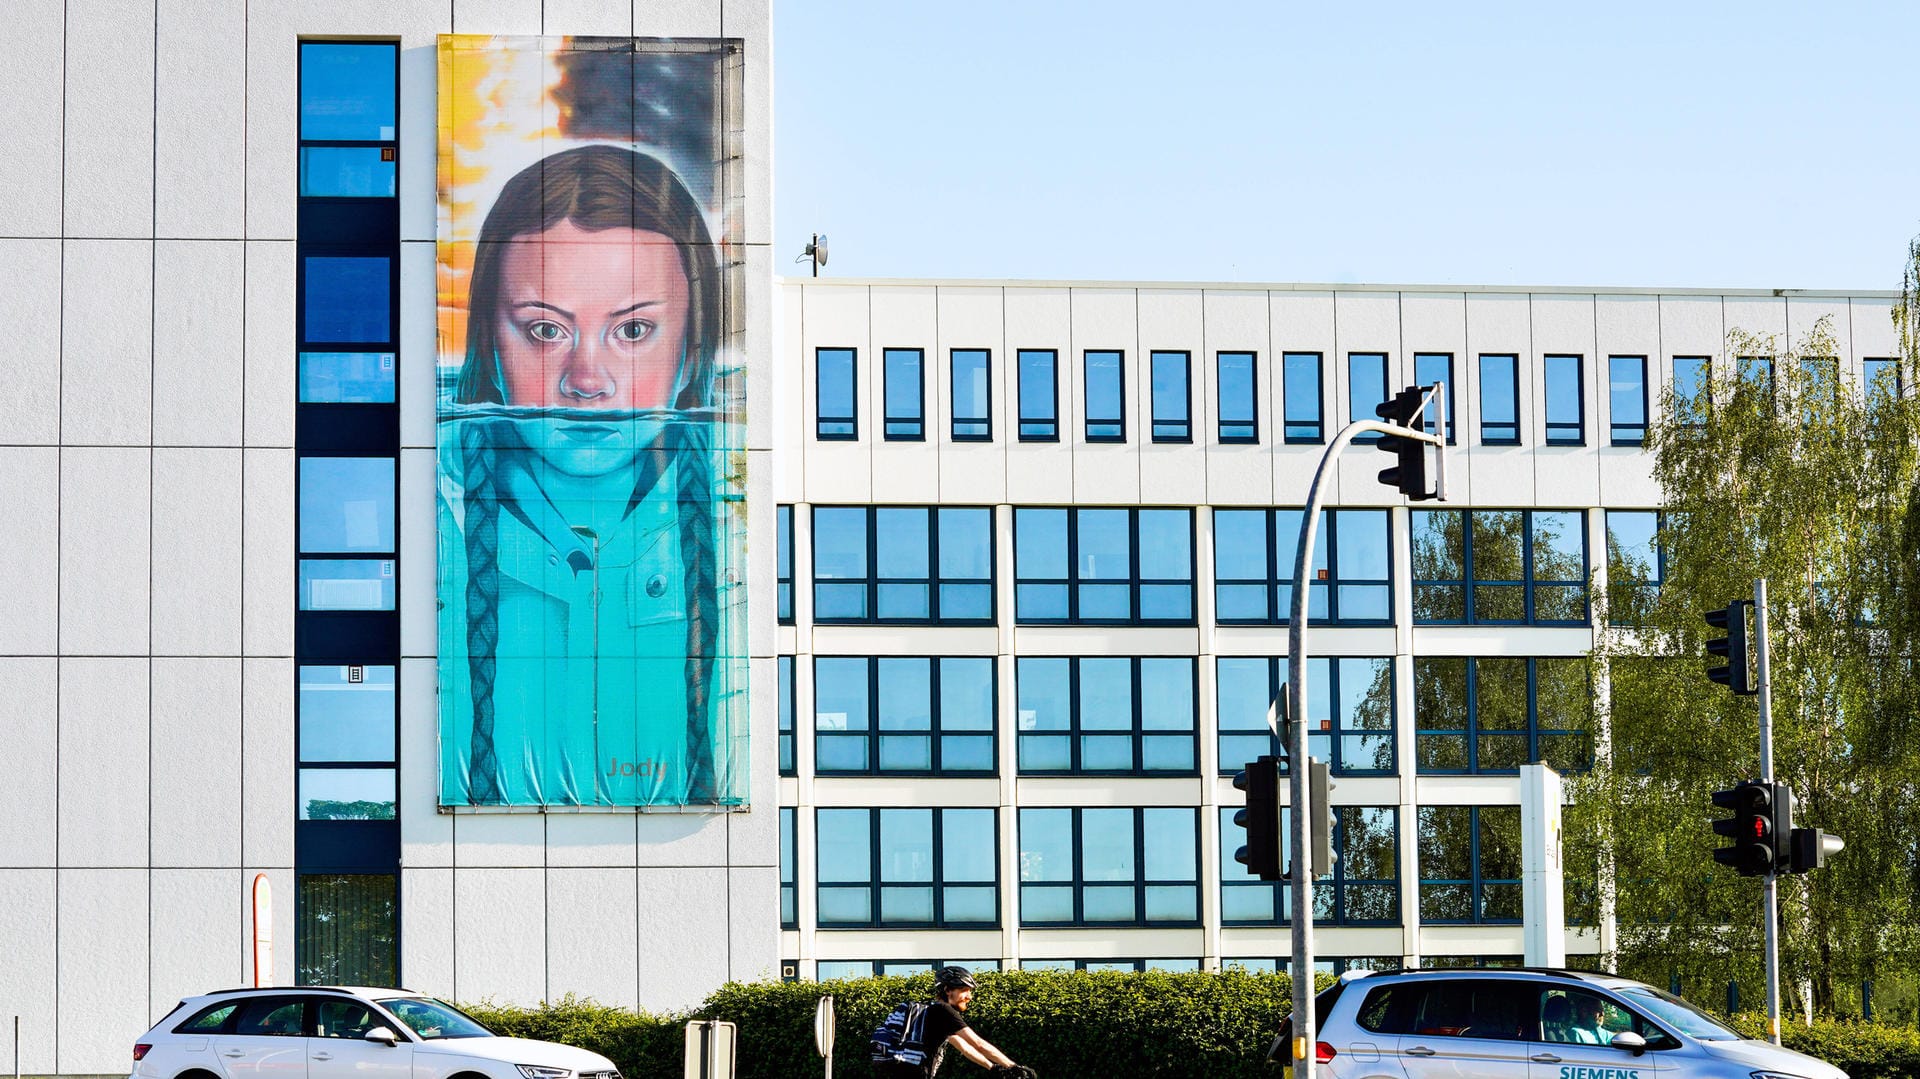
pixel 1542 877
pixel 823 1031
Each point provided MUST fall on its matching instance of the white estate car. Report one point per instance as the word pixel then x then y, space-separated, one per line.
pixel 333 1032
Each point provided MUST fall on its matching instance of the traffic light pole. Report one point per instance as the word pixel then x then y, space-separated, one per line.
pixel 1770 890
pixel 1300 828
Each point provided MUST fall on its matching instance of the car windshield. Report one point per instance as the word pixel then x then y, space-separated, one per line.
pixel 432 1019
pixel 1675 1012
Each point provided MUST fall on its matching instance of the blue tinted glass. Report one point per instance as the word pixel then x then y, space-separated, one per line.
pixel 1166 545
pixel 1559 545
pixel 1499 398
pixel 1360 544
pixel 966 693
pixel 1627 394
pixel 1240 545
pixel 1166 694
pixel 1041 686
pixel 839 694
pixel 785 675
pixel 835 387
pixel 347 172
pixel 966 849
pixel 346 505
pixel 1046 844
pixel 1366 693
pixel 1880 376
pixel 348 793
pixel 1101 552
pixel 786 845
pixel 839 543
pixel 966 544
pixel 1432 367
pixel 843 845
pixel 1237 392
pixel 1242 694
pixel 1366 386
pixel 1563 398
pixel 347 713
pixel 1106 694
pixel 1631 539
pixel 1040 543
pixel 348 299
pixel 1104 395
pixel 970 391
pixel 347 92
pixel 1106 844
pixel 1037 397
pixel 1689 376
pixel 346 377
pixel 346 584
pixel 783 542
pixel 1171 842
pixel 900 536
pixel 906 694
pixel 1170 385
pixel 905 392
pixel 906 845
pixel 1302 392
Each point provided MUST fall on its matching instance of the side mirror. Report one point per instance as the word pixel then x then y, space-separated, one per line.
pixel 382 1035
pixel 1629 1041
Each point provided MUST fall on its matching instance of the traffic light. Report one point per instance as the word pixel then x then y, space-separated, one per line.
pixel 1810 848
pixel 1731 620
pixel 1261 818
pixel 1762 818
pixel 1409 475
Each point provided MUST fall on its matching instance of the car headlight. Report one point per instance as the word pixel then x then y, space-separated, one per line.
pixel 538 1071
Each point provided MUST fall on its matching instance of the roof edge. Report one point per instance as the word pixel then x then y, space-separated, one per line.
pixel 1284 286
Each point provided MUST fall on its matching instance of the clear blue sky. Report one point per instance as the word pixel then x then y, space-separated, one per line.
pixel 1685 143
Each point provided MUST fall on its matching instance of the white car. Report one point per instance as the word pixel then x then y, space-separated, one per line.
pixel 335 1032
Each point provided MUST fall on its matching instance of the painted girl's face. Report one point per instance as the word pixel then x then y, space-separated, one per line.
pixel 591 319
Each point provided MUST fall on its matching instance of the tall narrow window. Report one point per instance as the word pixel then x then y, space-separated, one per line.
pixel 1106 395
pixel 1499 400
pixel 1366 387
pixel 1172 396
pixel 783 562
pixel 1039 395
pixel 1627 400
pixel 783 667
pixel 972 377
pixel 1690 389
pixel 1880 375
pixel 1566 406
pixel 1432 367
pixel 906 393
pixel 836 415
pixel 1300 374
pixel 1239 406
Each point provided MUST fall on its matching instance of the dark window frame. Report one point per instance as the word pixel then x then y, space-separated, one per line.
pixel 1078 881
pixel 1470 735
pixel 1529 582
pixel 1334 886
pixel 1136 731
pixel 789 876
pixel 1500 433
pixel 1037 428
pixel 1355 405
pixel 963 428
pixel 1452 383
pixel 1659 568
pixel 788 713
pixel 876 882
pixel 1626 434
pixel 1133 581
pixel 1562 432
pixel 1700 404
pixel 1237 432
pixel 783 563
pixel 934 731
pixel 1176 430
pixel 933 581
pixel 1113 429
pixel 827 426
pixel 1318 424
pixel 911 428
pixel 1281 576
pixel 1478 880
pixel 1333 753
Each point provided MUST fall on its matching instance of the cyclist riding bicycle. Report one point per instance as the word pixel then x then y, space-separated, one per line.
pixel 912 1042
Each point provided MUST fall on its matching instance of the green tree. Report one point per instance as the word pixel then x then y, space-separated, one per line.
pixel 1778 470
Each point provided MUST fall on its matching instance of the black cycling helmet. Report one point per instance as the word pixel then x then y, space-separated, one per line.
pixel 950 978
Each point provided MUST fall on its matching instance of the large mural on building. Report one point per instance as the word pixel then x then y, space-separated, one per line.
pixel 590 407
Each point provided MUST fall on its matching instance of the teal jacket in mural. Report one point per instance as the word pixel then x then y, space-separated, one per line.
pixel 589 653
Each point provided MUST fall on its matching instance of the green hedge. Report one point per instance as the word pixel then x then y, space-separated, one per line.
pixel 1063 1024
pixel 1066 1025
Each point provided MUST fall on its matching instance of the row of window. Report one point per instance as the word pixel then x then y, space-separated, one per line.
pixel 1170 380
pixel 829 969
pixel 1138 866
pixel 1139 715
pixel 1136 566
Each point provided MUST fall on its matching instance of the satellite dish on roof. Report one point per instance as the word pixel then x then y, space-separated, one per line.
pixel 816 252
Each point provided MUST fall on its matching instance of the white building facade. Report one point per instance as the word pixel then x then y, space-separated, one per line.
pixel 1013 579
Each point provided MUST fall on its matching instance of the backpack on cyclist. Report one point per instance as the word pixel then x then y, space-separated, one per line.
pixel 897 1040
